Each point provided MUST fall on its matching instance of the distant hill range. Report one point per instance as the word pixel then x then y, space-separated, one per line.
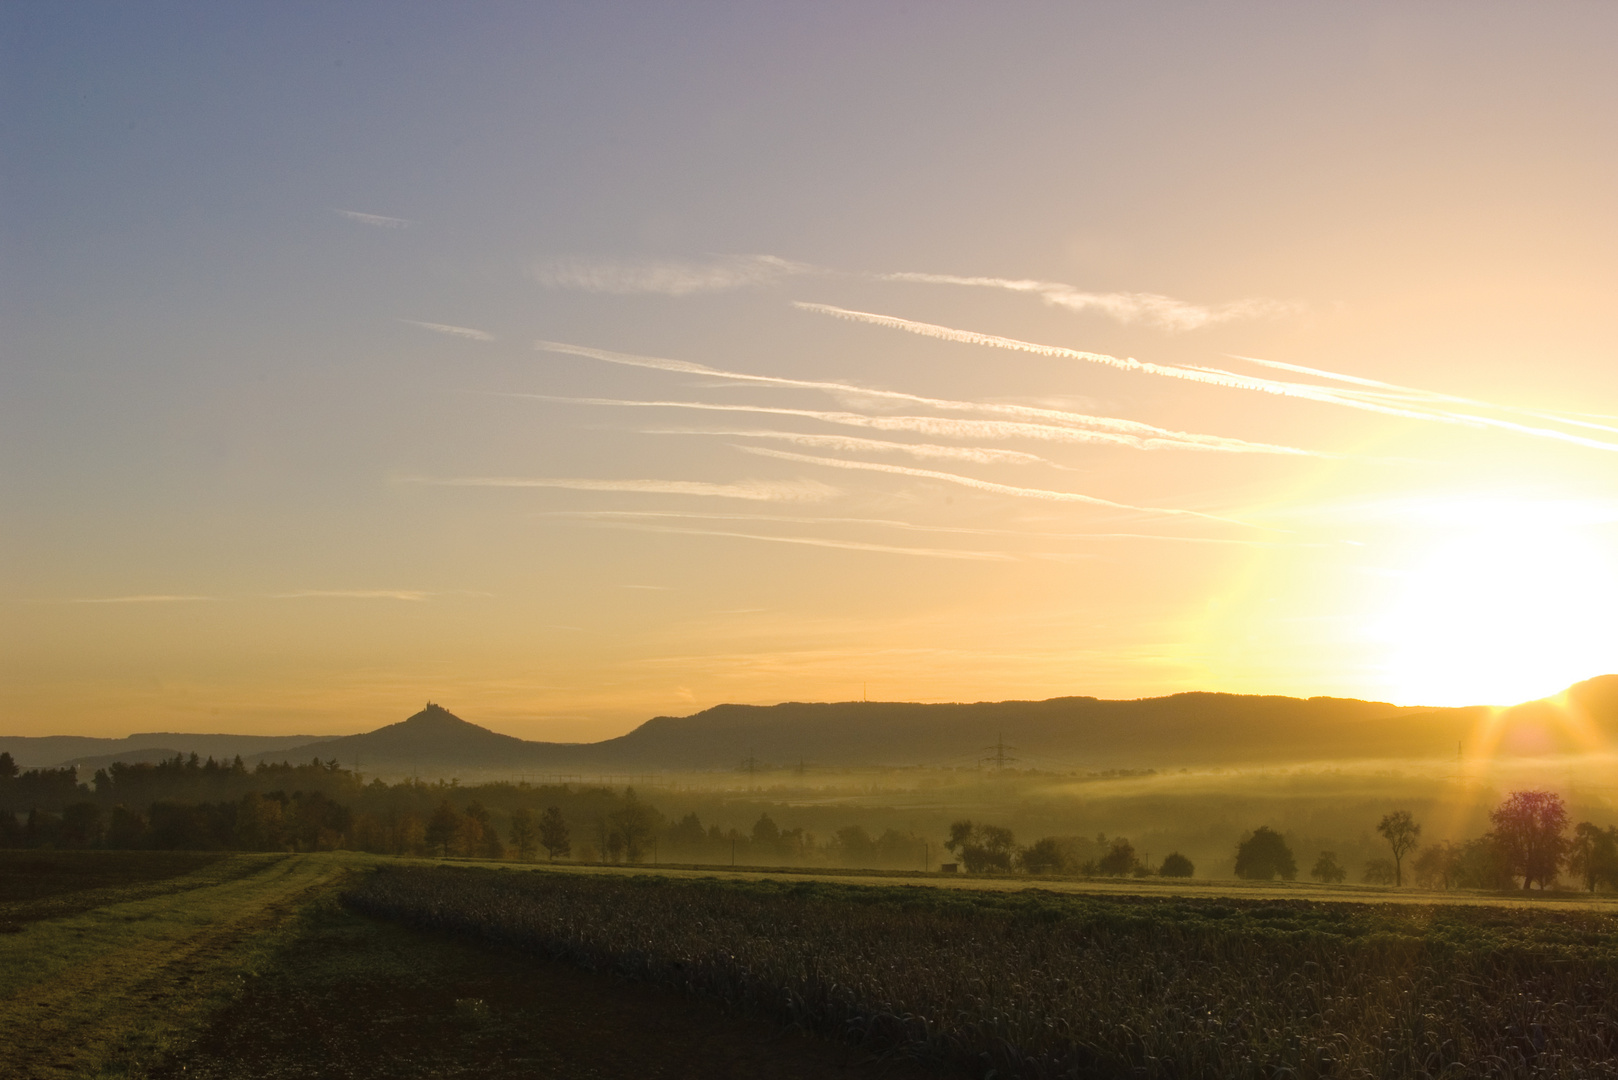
pixel 1075 733
pixel 52 751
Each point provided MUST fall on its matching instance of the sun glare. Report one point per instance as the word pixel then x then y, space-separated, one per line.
pixel 1508 611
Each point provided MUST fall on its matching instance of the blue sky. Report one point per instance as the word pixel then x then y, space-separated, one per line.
pixel 275 275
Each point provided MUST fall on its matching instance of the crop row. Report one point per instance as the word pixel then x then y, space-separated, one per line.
pixel 1043 986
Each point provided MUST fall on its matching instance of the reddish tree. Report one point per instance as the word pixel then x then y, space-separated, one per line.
pixel 1528 829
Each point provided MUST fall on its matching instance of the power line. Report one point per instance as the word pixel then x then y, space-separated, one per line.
pixel 999 755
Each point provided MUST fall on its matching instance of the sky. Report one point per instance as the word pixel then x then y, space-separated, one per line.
pixel 572 364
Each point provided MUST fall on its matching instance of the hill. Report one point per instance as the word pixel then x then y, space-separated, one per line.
pixel 1064 734
pixel 1085 733
pixel 52 751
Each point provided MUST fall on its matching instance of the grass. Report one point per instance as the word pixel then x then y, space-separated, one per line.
pixel 1040 983
pixel 163 965
pixel 37 885
pixel 108 989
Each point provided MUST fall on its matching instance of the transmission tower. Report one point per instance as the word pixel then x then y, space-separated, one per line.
pixel 997 754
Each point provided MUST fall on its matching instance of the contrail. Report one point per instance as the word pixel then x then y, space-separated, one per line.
pixel 815 541
pixel 1022 412
pixel 354 594
pixel 972 482
pixel 1210 376
pixel 888 523
pixel 454 331
pixel 667 278
pixel 945 427
pixel 754 490
pixel 375 220
pixel 146 598
pixel 1393 391
pixel 1164 311
pixel 974 454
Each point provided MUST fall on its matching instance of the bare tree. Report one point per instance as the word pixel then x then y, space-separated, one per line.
pixel 1402 832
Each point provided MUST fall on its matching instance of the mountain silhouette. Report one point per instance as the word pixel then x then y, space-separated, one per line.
pixel 431 739
pixel 1064 734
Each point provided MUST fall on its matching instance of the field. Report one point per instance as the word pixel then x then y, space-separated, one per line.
pixel 1038 983
pixel 337 965
pixel 184 965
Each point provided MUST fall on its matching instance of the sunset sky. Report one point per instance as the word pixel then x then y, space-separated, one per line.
pixel 568 365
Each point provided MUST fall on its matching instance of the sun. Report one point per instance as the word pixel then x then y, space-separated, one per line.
pixel 1497 613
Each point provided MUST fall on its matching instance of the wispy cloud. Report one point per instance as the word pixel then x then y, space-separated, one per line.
pixel 753 490
pixel 909 526
pixel 413 595
pixel 818 541
pixel 936 426
pixel 143 598
pixel 377 221
pixel 973 482
pixel 453 331
pixel 975 454
pixel 667 277
pixel 1162 311
pixel 1145 435
pixel 1388 404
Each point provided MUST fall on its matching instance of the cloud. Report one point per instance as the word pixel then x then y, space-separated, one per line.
pixel 667 278
pixel 354 594
pixel 1182 439
pixel 844 545
pixel 454 331
pixel 953 427
pixel 377 221
pixel 1404 406
pixel 976 455
pixel 973 482
pixel 888 523
pixel 1162 311
pixel 144 598
pixel 754 490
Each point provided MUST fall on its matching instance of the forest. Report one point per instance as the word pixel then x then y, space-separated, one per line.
pixel 207 805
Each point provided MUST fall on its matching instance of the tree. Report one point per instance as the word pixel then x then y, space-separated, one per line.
pixel 1528 829
pixel 1119 859
pixel 81 825
pixel 1327 870
pixel 1176 865
pixel 765 831
pixel 553 833
pixel 481 838
pixel 10 831
pixel 8 766
pixel 961 833
pixel 982 847
pixel 1048 855
pixel 523 836
pixel 125 830
pixel 1438 866
pixel 1593 855
pixel 634 826
pixel 1480 864
pixel 1401 831
pixel 443 828
pixel 1264 855
pixel 1379 872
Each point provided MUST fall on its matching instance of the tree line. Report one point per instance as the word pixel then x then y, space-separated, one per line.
pixel 1528 845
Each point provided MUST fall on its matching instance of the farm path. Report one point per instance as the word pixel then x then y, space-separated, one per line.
pixel 97 992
